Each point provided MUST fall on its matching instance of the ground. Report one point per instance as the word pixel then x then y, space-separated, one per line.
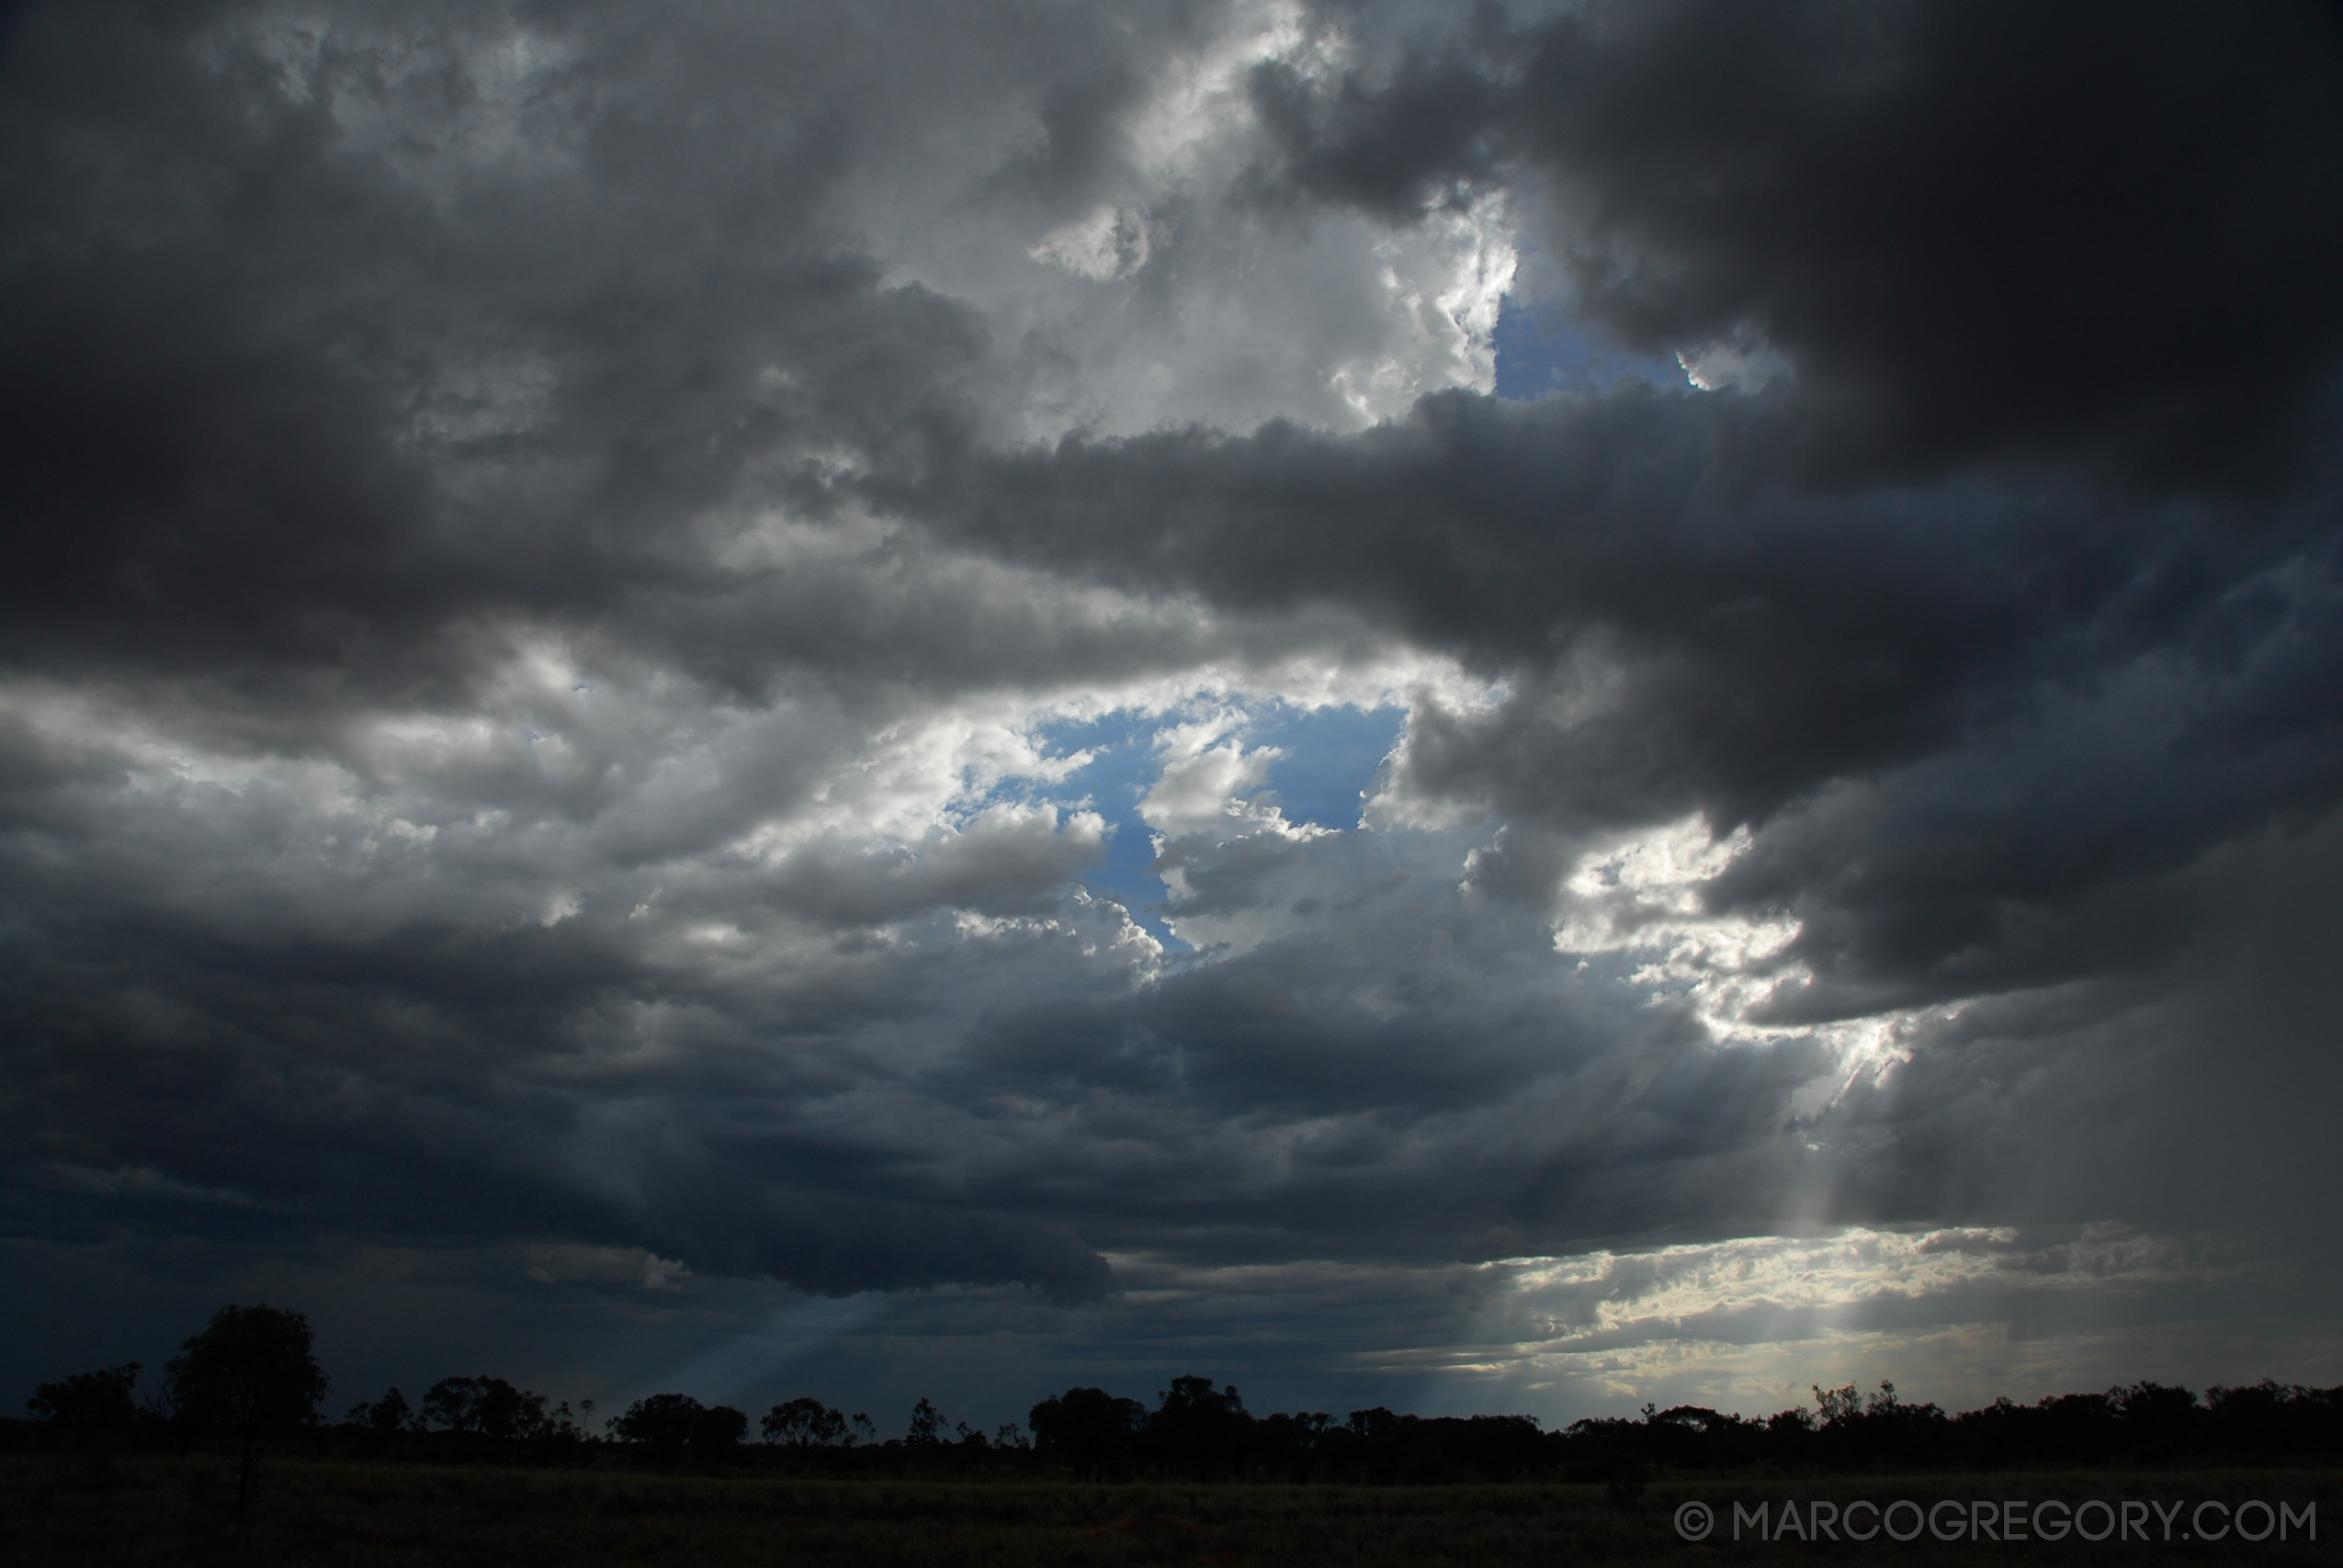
pixel 139 1511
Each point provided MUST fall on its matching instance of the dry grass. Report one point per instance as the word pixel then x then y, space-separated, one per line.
pixel 176 1511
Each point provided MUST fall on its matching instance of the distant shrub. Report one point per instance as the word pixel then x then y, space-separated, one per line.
pixel 805 1424
pixel 392 1413
pixel 677 1422
pixel 88 1402
pixel 490 1407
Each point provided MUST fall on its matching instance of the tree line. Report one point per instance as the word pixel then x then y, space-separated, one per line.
pixel 249 1381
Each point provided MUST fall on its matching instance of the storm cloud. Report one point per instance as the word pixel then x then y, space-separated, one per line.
pixel 803 687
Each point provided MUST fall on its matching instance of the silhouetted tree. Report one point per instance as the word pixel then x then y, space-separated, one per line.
pixel 249 1379
pixel 490 1407
pixel 722 1427
pixel 2078 1424
pixel 2269 1420
pixel 1197 1428
pixel 570 1428
pixel 1839 1407
pixel 804 1423
pixel 1690 1435
pixel 2158 1422
pixel 676 1423
pixel 1087 1429
pixel 1881 1429
pixel 1295 1446
pixel 390 1413
pixel 88 1402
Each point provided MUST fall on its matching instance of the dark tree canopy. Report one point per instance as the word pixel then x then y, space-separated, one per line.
pixel 678 1421
pixel 927 1424
pixel 1196 1427
pixel 490 1407
pixel 806 1423
pixel 392 1413
pixel 249 1378
pixel 88 1402
pixel 1087 1428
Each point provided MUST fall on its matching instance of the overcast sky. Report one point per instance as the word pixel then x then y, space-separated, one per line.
pixel 1509 710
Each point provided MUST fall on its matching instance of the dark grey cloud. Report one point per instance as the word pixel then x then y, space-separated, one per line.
pixel 1948 706
pixel 315 348
pixel 1971 231
pixel 2111 265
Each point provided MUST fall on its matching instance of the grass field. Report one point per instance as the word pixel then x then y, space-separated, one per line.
pixel 177 1511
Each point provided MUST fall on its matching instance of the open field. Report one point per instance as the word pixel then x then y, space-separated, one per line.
pixel 309 1511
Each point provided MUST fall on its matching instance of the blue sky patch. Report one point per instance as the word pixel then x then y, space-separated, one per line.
pixel 1330 755
pixel 1540 352
pixel 1123 771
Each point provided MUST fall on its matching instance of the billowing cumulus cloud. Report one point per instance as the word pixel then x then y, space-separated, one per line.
pixel 857 698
